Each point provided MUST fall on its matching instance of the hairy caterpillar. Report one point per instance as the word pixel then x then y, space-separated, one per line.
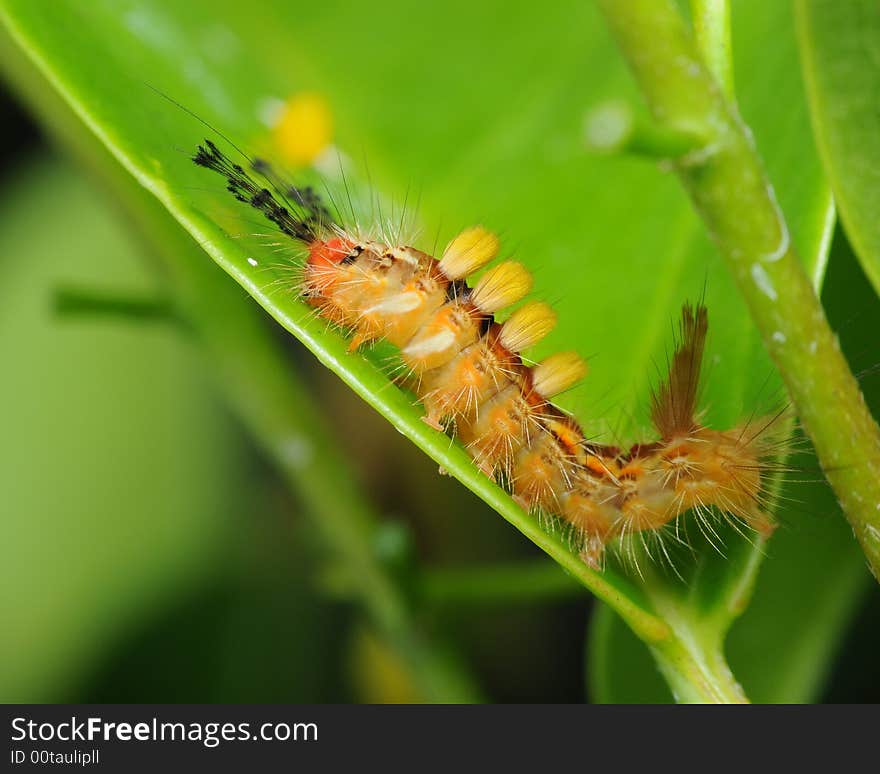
pixel 468 372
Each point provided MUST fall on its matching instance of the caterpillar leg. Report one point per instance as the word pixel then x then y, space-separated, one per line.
pixel 362 337
pixel 432 420
pixel 593 552
pixel 489 470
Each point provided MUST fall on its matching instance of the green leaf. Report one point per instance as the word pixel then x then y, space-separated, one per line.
pixel 485 114
pixel 840 51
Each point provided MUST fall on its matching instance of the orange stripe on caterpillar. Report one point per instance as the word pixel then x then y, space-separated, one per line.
pixel 455 390
pixel 468 373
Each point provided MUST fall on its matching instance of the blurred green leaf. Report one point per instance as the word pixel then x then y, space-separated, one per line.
pixel 484 115
pixel 257 633
pixel 121 471
pixel 840 50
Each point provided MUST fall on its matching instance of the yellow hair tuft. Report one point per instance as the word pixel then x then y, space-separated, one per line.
pixel 558 373
pixel 527 326
pixel 472 249
pixel 501 286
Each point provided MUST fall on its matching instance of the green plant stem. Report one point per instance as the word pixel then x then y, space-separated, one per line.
pixel 692 658
pixel 116 305
pixel 697 672
pixel 712 33
pixel 505 584
pixel 730 190
pixel 613 127
pixel 258 382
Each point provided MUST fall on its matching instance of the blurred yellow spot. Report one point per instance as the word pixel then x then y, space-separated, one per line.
pixel 303 129
pixel 379 676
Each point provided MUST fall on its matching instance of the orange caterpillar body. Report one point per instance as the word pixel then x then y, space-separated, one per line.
pixel 467 371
